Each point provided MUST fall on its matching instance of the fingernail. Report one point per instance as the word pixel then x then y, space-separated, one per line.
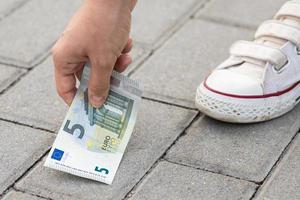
pixel 97 101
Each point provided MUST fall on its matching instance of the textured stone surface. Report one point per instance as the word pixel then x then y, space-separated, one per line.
pixel 284 183
pixel 244 151
pixel 8 75
pixel 34 101
pixel 20 148
pixel 152 19
pixel 33 29
pixel 241 12
pixel 138 53
pixel 157 127
pixel 14 195
pixel 173 73
pixel 188 52
pixel 7 7
pixel 171 182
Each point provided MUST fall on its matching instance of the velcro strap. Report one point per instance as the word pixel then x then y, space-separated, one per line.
pixel 260 52
pixel 290 8
pixel 277 29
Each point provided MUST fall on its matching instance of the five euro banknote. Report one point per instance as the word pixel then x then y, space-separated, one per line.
pixel 91 142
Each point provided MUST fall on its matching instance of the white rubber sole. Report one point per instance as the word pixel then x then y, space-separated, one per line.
pixel 240 110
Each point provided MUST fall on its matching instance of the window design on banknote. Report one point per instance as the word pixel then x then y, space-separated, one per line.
pixel 113 116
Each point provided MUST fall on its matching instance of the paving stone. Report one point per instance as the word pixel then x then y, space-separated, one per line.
pixel 285 181
pixel 7 7
pixel 250 13
pixel 8 75
pixel 170 181
pixel 20 148
pixel 14 195
pixel 244 151
pixel 28 34
pixel 174 71
pixel 34 101
pixel 138 53
pixel 157 127
pixel 152 19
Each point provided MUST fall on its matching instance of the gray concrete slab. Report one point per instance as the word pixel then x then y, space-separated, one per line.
pixel 34 101
pixel 20 148
pixel 248 13
pixel 16 195
pixel 138 54
pixel 27 35
pixel 284 183
pixel 8 75
pixel 7 7
pixel 244 151
pixel 157 127
pixel 174 72
pixel 170 181
pixel 153 19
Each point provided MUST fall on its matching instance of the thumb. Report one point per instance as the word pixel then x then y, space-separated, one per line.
pixel 99 82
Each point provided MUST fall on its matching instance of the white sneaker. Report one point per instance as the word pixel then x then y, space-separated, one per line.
pixel 261 79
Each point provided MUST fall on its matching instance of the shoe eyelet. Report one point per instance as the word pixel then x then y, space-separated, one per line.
pixel 282 68
pixel 297 49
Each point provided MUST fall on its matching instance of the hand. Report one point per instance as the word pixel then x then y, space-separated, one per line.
pixel 99 33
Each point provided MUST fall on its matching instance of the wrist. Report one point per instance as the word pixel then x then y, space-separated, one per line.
pixel 112 3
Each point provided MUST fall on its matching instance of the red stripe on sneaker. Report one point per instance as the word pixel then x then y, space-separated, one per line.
pixel 253 96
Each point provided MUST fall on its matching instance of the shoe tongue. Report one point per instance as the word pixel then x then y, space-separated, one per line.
pixel 252 68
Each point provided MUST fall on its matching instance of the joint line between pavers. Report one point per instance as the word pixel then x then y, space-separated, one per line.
pixel 25 173
pixel 203 169
pixel 12 10
pixel 183 19
pixel 46 53
pixel 11 79
pixel 167 35
pixel 139 65
pixel 140 61
pixel 218 21
pixel 26 125
pixel 13 83
pixel 12 62
pixel 226 23
pixel 32 194
pixel 270 173
pixel 131 192
pixel 28 70
pixel 35 61
pixel 169 103
pixel 209 171
pixel 207 2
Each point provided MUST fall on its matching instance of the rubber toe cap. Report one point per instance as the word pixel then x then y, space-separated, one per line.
pixel 233 83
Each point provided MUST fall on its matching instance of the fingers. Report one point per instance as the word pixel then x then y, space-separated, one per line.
pixel 65 73
pixel 78 73
pixel 133 3
pixel 128 46
pixel 65 85
pixel 122 62
pixel 99 81
pixel 124 59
